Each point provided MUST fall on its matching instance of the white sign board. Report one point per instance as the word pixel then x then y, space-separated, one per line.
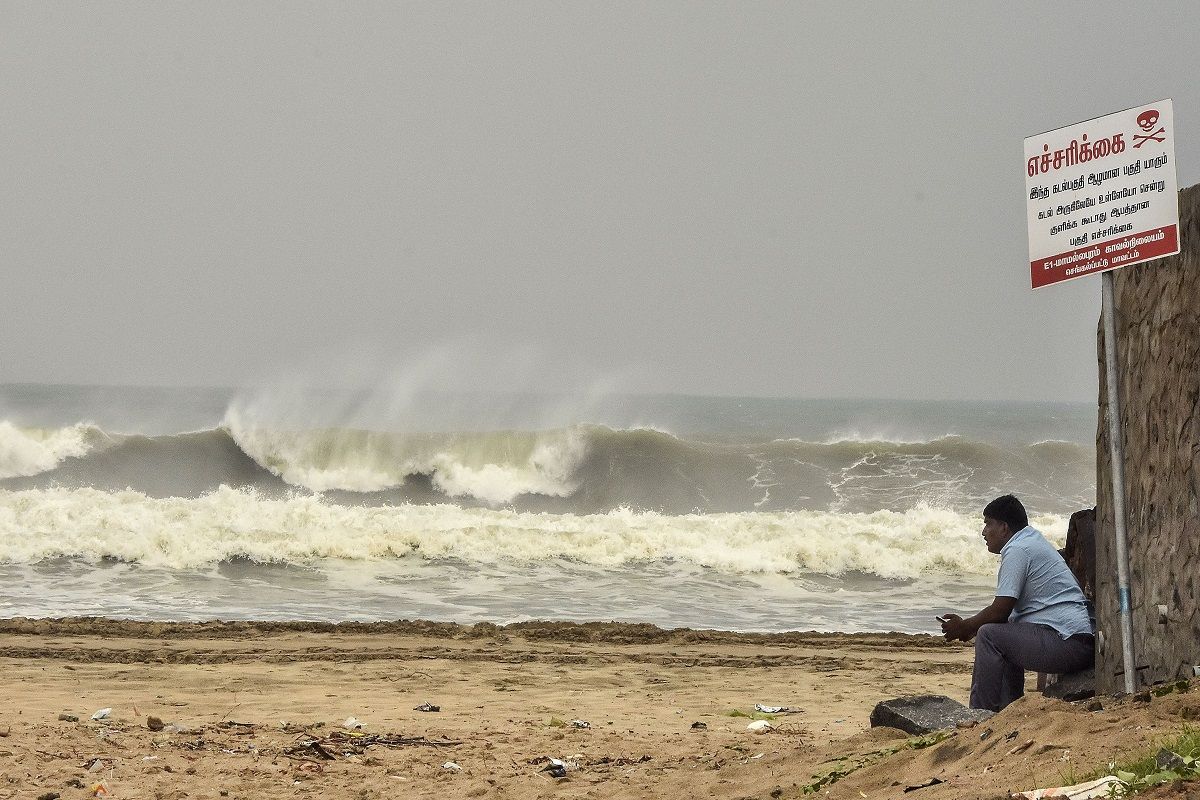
pixel 1102 194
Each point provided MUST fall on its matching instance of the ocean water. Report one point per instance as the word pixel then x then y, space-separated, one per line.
pixel 734 513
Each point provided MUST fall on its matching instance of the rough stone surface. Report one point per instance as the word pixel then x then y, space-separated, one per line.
pixel 926 713
pixel 1080 550
pixel 1158 347
pixel 1073 686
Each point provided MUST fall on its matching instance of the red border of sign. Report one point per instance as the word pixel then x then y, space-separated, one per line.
pixel 1042 275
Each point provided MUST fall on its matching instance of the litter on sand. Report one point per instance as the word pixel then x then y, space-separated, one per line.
pixel 352 724
pixel 759 707
pixel 103 713
pixel 925 785
pixel 1101 787
pixel 352 743
pixel 427 707
pixel 558 767
pixel 760 726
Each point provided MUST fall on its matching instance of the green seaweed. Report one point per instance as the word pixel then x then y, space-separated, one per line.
pixel 737 712
pixel 846 765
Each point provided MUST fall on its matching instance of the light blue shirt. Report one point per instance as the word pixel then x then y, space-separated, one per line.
pixel 1033 572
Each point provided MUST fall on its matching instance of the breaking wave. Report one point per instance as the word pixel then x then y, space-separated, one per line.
pixel 29 451
pixel 230 524
pixel 578 469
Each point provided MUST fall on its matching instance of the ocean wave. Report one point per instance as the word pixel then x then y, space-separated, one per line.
pixel 230 524
pixel 494 467
pixel 579 469
pixel 950 444
pixel 30 451
pixel 878 438
pixel 1060 450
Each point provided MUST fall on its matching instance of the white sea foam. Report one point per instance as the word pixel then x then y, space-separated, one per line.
pixel 29 451
pixel 882 437
pixel 229 524
pixel 547 470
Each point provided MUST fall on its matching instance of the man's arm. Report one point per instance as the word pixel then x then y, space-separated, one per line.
pixel 955 627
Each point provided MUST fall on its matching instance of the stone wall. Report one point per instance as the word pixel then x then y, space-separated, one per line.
pixel 1158 347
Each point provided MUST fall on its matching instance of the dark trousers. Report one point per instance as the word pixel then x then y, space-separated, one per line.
pixel 1003 651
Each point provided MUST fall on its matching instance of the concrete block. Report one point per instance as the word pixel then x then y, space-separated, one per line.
pixel 926 713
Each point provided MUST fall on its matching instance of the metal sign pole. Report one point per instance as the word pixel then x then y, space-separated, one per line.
pixel 1116 453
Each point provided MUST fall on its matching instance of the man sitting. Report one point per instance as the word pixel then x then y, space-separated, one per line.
pixel 1038 620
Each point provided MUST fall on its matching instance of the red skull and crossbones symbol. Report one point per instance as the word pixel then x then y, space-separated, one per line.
pixel 1146 121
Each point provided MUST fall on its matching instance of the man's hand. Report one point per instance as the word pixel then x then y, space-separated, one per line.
pixel 953 627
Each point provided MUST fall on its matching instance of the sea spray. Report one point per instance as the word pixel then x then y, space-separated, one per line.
pixel 29 451
pixel 492 466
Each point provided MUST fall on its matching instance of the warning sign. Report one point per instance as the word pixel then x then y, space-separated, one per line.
pixel 1102 194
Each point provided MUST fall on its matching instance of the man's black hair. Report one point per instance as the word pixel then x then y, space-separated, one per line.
pixel 1007 509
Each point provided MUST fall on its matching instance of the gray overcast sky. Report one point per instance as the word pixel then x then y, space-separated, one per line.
pixel 712 198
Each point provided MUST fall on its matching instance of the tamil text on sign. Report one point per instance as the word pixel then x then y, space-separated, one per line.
pixel 1102 194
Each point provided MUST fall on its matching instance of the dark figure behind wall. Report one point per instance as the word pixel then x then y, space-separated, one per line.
pixel 1080 550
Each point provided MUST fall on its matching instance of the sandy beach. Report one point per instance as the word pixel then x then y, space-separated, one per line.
pixel 258 711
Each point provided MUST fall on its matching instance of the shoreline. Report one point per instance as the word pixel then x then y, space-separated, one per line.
pixel 551 630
